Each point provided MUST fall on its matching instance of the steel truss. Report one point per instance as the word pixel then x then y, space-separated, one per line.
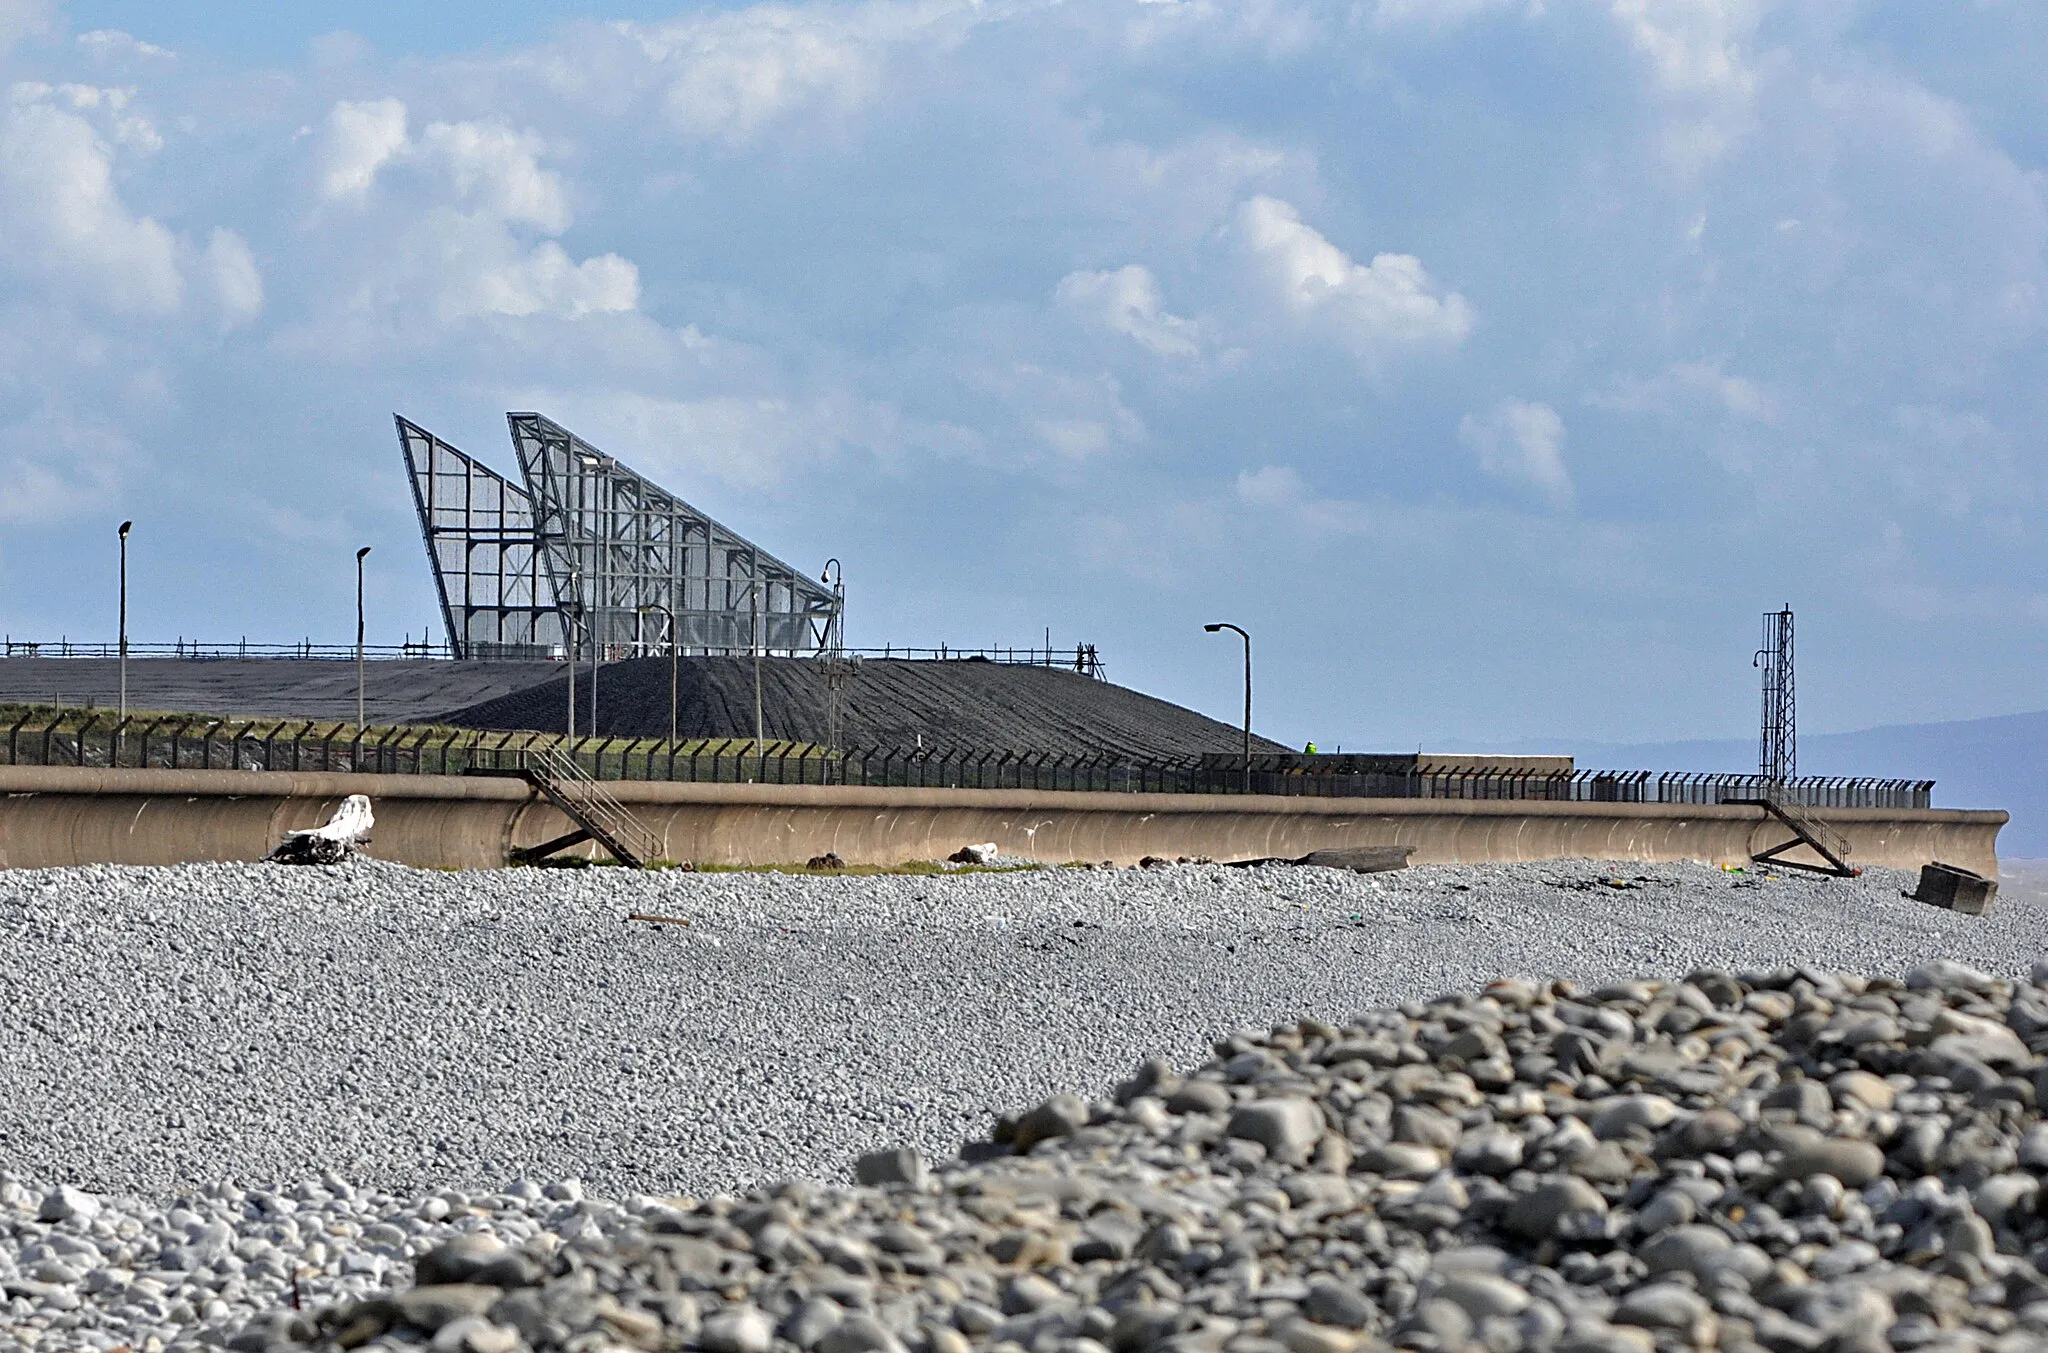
pixel 1778 743
pixel 595 551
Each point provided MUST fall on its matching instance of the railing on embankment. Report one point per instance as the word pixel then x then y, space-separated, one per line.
pixel 58 815
pixel 85 738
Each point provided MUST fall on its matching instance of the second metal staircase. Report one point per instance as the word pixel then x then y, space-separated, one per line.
pixel 1807 830
pixel 585 802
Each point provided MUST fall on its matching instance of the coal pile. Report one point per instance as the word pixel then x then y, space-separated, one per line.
pixel 891 703
pixel 395 690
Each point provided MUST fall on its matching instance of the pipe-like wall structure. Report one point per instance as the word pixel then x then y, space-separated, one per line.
pixel 62 815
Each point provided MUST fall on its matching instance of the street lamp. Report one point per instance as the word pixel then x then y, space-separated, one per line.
pixel 571 635
pixel 1247 696
pixel 760 750
pixel 572 612
pixel 594 626
pixel 359 638
pixel 670 616
pixel 121 723
pixel 836 576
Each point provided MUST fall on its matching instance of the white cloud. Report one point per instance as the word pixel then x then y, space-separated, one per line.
pixel 114 45
pixel 1442 15
pixel 730 89
pixel 237 282
pixel 58 465
pixel 1700 68
pixel 113 107
pixel 23 19
pixel 1683 386
pixel 1694 47
pixel 726 77
pixel 548 281
pixel 361 139
pixel 1126 301
pixel 1378 308
pixel 1074 417
pixel 464 197
pixel 1271 486
pixel 487 166
pixel 498 170
pixel 61 218
pixel 1524 442
pixel 757 440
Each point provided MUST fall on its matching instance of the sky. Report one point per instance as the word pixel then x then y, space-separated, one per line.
pixel 1496 363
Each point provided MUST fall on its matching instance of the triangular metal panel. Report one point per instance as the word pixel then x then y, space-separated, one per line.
pixel 497 598
pixel 621 550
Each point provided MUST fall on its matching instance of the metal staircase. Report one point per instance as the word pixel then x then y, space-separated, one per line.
pixel 1807 830
pixel 584 801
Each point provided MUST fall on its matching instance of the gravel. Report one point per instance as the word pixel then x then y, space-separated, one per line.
pixel 221 1079
pixel 413 1029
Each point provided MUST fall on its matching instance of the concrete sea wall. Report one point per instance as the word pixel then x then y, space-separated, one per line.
pixel 57 815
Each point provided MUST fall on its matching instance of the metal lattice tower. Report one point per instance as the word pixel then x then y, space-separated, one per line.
pixel 1778 748
pixel 591 549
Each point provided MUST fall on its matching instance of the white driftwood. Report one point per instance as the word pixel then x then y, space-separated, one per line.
pixel 333 843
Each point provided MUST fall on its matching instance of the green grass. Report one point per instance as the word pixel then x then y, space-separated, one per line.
pixel 922 868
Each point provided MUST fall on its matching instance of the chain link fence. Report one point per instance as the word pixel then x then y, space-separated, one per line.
pixel 41 737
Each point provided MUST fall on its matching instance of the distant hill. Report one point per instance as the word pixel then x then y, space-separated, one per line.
pixel 2000 762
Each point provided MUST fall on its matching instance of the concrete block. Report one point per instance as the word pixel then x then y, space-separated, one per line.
pixel 1956 888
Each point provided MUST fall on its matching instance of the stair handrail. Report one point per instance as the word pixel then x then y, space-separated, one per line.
pixel 591 795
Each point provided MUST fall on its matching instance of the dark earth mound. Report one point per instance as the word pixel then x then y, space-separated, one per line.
pixel 395 690
pixel 965 705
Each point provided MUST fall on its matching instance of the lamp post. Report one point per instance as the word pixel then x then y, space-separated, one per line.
pixel 593 498
pixel 760 751
pixel 670 617
pixel 1247 696
pixel 836 577
pixel 569 636
pixel 572 612
pixel 359 638
pixel 121 722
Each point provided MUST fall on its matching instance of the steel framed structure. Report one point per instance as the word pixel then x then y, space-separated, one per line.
pixel 592 560
pixel 497 599
pixel 1778 740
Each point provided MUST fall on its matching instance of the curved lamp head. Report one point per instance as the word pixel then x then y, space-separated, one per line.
pixel 126 526
pixel 1212 628
pixel 360 553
